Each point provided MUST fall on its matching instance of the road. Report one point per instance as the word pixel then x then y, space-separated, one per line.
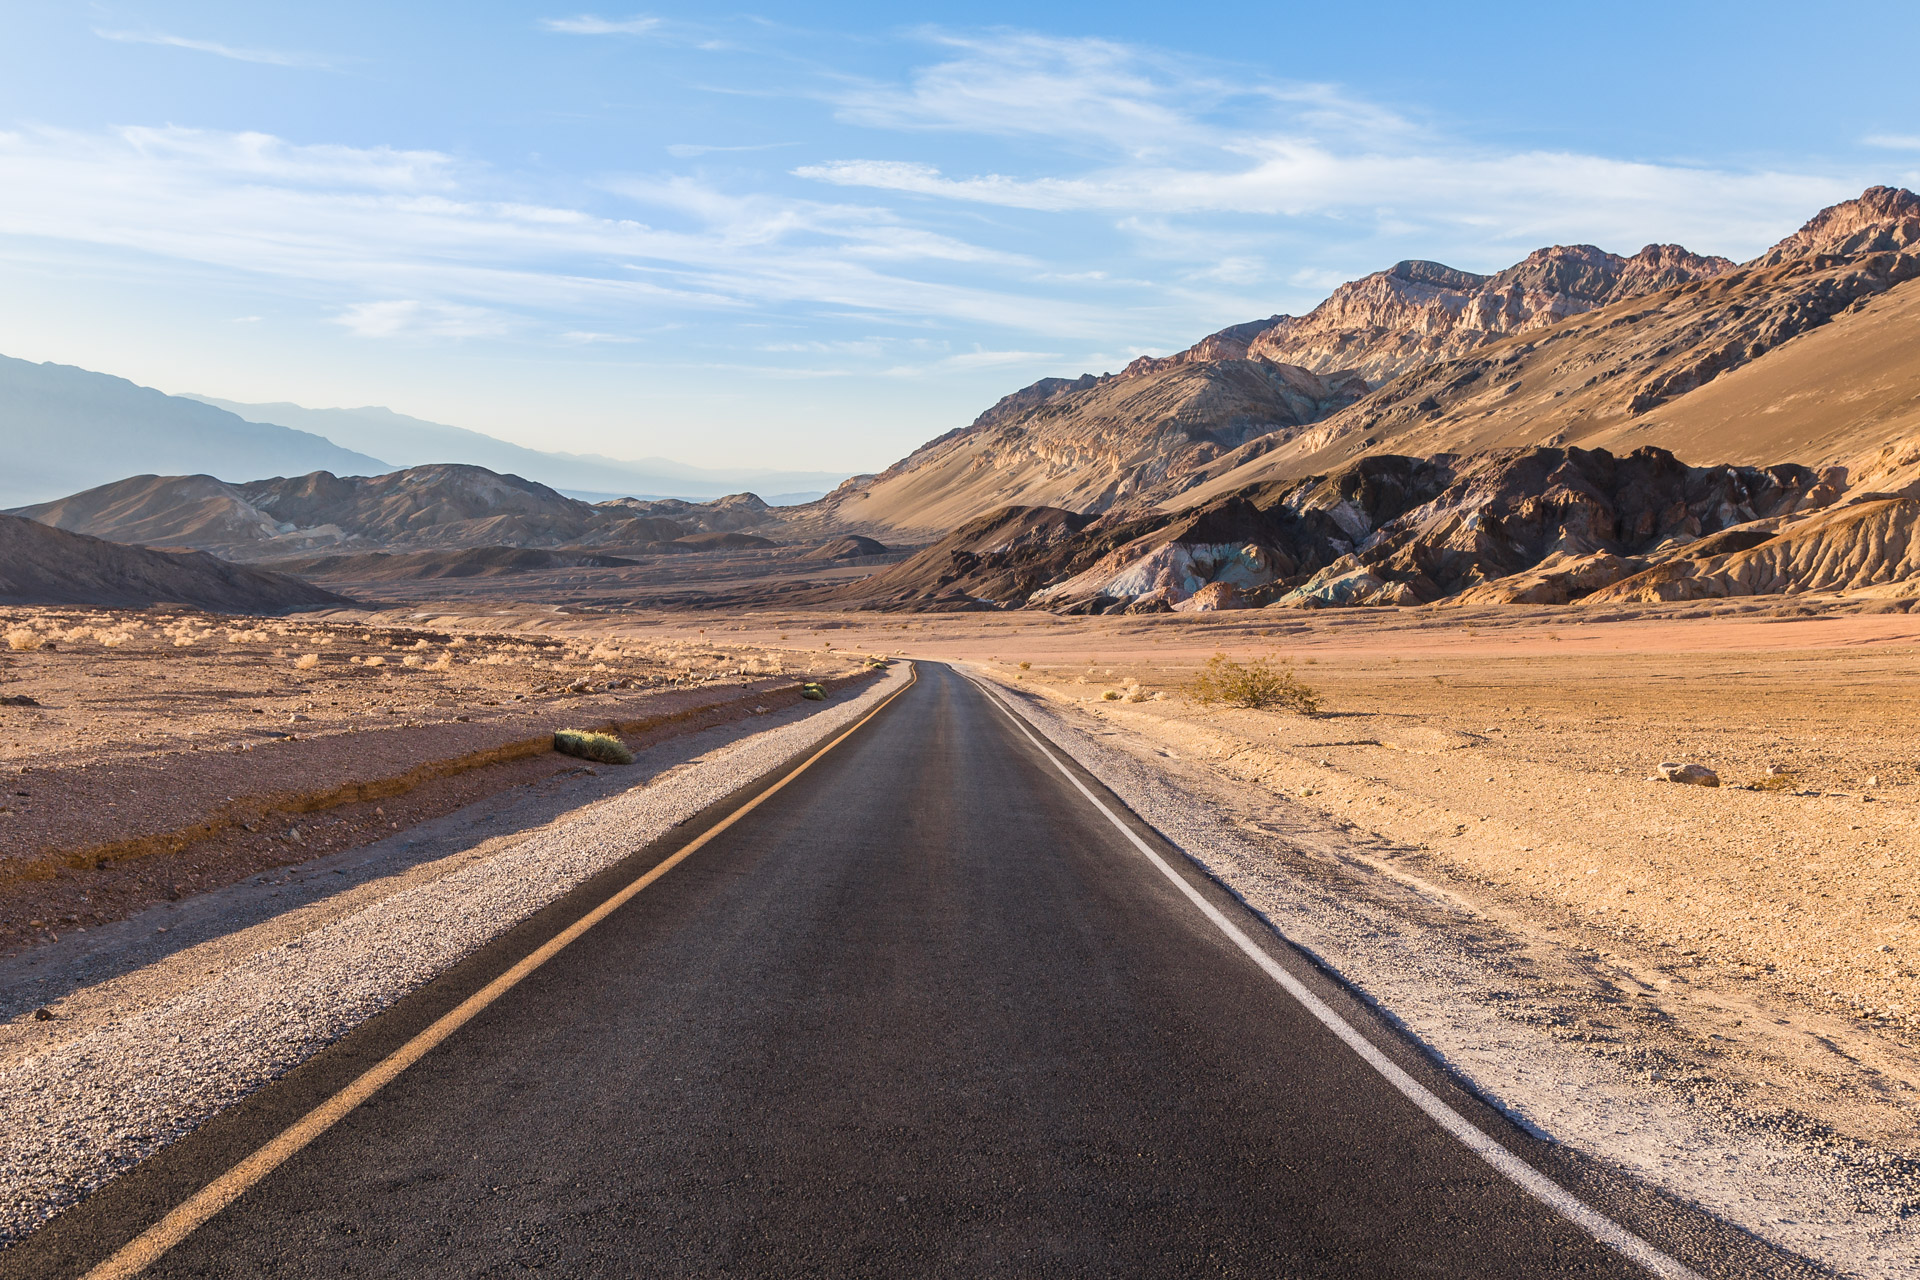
pixel 923 1012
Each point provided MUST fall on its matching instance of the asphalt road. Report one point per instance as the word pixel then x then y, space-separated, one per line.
pixel 923 1013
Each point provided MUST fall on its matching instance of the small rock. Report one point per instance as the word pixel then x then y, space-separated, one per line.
pixel 1874 781
pixel 296 835
pixel 43 1015
pixel 1692 775
pixel 1775 771
pixel 19 700
pixel 298 719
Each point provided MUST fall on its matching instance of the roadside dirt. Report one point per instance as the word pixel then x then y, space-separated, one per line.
pixel 148 770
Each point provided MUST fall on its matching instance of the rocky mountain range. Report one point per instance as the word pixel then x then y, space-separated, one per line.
pixel 1579 426
pixel 407 441
pixel 439 506
pixel 1526 445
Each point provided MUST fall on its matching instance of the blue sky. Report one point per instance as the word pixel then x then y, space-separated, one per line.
pixel 815 237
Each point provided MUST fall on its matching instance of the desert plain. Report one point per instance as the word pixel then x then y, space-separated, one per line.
pixel 1761 936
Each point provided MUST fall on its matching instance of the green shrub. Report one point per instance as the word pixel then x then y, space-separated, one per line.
pixel 812 692
pixel 1257 683
pixel 602 747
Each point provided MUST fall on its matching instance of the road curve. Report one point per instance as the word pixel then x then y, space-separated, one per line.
pixel 923 1012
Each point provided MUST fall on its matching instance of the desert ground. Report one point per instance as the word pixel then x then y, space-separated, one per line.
pixel 1766 931
pixel 156 755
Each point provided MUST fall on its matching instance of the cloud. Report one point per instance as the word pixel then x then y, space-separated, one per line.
pixel 1893 141
pixel 384 224
pixel 588 25
pixel 687 150
pixel 412 318
pixel 1142 133
pixel 270 57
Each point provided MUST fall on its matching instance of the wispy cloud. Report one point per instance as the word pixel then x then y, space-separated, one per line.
pixel 420 228
pixel 588 24
pixel 1893 141
pixel 270 57
pixel 1141 133
pixel 412 318
pixel 688 150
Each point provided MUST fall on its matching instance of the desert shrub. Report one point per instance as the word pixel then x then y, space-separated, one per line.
pixel 812 692
pixel 1111 695
pixel 442 663
pixel 411 660
pixel 601 747
pixel 1256 683
pixel 1026 666
pixel 306 662
pixel 22 640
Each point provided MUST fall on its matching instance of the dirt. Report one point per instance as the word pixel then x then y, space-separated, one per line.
pixel 150 770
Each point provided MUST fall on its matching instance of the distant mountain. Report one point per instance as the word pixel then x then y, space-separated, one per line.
pixel 39 565
pixel 413 442
pixel 438 506
pixel 63 429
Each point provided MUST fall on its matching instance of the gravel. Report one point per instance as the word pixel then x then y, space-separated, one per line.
pixel 1435 968
pixel 127 1081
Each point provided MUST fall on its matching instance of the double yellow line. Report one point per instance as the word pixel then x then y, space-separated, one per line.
pixel 150 1245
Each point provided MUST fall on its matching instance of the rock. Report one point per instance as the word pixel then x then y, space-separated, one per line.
pixel 43 1015
pixel 298 719
pixel 19 700
pixel 1692 775
pixel 1212 598
pixel 1775 771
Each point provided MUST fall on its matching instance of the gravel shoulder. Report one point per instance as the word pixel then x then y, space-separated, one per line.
pixel 160 1020
pixel 1792 1121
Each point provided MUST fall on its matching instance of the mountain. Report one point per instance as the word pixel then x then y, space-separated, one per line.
pixel 1809 357
pixel 1089 444
pixel 63 428
pixel 1531 452
pixel 45 566
pixel 1417 312
pixel 442 505
pixel 1095 442
pixel 412 442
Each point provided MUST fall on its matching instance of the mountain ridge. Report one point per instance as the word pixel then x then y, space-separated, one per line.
pixel 64 428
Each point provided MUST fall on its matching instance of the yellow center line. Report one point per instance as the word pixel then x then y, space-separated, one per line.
pixel 150 1245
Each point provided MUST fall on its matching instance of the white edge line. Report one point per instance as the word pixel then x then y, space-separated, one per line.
pixel 1522 1174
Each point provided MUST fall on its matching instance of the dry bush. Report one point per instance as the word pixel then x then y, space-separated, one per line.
pixel 306 662
pixel 442 663
pixel 411 660
pixel 1256 683
pixel 602 747
pixel 21 640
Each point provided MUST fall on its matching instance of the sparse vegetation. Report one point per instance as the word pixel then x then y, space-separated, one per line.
pixel 812 692
pixel 603 748
pixel 306 662
pixel 1256 683
pixel 23 640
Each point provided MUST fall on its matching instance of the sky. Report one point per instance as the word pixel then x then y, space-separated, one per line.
pixel 816 236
